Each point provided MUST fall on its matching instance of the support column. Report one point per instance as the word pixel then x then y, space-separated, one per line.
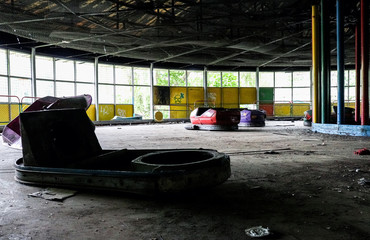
pixel 205 86
pixel 358 71
pixel 340 62
pixel 33 72
pixel 96 83
pixel 325 63
pixel 315 63
pixel 258 86
pixel 151 90
pixel 365 61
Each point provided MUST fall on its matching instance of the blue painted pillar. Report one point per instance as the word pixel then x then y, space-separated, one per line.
pixel 340 62
pixel 325 63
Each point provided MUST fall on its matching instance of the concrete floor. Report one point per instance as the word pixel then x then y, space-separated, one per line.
pixel 308 190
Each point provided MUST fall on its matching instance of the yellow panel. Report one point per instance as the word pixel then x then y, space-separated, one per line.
pixel 230 97
pixel 282 110
pixel 106 112
pixel 178 112
pixel 350 104
pixel 300 108
pixel 4 113
pixel 24 107
pixel 248 95
pixel 91 112
pixel 214 96
pixel 124 110
pixel 14 110
pixel 178 95
pixel 196 95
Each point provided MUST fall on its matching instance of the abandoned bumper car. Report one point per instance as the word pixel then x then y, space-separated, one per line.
pixel 205 118
pixel 60 149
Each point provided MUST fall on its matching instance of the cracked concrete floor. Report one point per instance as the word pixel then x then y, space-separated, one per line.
pixel 307 188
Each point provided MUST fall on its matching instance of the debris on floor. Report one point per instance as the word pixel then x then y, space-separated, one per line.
pixel 364 182
pixel 271 152
pixel 257 232
pixel 363 151
pixel 53 194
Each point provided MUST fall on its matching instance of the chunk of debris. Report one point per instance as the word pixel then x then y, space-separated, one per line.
pixel 271 152
pixel 257 231
pixel 363 151
pixel 364 182
pixel 53 194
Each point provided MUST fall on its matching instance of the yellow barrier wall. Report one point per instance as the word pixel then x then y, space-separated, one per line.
pixel 282 109
pixel 124 110
pixel 350 104
pixel 4 113
pixel 300 108
pixel 196 95
pixel 91 112
pixel 14 110
pixel 178 112
pixel 214 96
pixel 248 95
pixel 230 97
pixel 178 95
pixel 106 112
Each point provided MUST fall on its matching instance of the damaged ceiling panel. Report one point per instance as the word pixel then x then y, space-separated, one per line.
pixel 215 33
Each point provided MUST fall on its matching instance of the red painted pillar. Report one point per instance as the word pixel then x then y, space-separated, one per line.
pixel 365 61
pixel 358 72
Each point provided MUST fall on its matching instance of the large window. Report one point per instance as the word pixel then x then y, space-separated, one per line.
pixel 85 72
pixel 105 73
pixel 247 79
pixel 160 77
pixel 123 75
pixel 44 88
pixel 283 79
pixel 3 88
pixel 3 62
pixel 123 95
pixel 230 79
pixel 20 87
pixel 20 64
pixel 106 94
pixel 118 84
pixel 44 67
pixel 349 86
pixel 177 78
pixel 141 76
pixel 214 79
pixel 64 89
pixel 195 78
pixel 142 101
pixel 266 79
pixel 64 70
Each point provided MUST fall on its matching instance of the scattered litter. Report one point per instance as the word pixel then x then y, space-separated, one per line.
pixel 258 231
pixel 364 182
pixel 53 194
pixel 363 151
pixel 322 144
pixel 271 152
pixel 284 134
pixel 259 151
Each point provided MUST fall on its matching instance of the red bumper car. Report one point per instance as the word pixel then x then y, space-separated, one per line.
pixel 205 118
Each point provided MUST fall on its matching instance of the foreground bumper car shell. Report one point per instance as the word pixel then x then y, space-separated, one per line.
pixel 60 149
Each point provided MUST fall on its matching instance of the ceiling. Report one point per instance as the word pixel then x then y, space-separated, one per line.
pixel 185 33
